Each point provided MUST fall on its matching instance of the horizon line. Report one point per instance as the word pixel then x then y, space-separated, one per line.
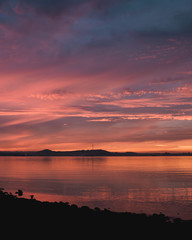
pixel 99 149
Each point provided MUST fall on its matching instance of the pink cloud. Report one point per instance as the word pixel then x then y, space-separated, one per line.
pixel 78 79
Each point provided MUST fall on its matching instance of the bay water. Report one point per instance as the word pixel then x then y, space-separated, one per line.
pixel 133 184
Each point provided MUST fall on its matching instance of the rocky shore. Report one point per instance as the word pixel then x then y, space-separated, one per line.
pixel 59 218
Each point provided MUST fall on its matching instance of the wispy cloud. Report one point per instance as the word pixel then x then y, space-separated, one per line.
pixel 113 72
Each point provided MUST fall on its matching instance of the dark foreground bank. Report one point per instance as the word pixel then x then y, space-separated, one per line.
pixel 30 217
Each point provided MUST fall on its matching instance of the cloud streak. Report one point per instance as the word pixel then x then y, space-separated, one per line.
pixel 115 73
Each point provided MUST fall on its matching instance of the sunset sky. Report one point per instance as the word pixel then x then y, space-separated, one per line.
pixel 113 73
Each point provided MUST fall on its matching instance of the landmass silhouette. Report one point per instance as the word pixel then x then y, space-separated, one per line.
pixel 96 152
pixel 30 216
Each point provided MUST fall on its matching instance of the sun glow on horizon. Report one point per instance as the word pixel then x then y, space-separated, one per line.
pixel 73 74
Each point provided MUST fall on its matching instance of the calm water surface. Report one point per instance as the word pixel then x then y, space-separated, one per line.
pixel 133 184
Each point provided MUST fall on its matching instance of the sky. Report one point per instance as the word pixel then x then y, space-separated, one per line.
pixel 113 73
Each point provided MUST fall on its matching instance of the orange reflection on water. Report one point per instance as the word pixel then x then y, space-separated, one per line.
pixel 134 184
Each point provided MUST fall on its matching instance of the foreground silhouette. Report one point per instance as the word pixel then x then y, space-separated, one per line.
pixel 33 217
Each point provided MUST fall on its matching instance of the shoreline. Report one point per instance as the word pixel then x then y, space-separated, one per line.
pixel 89 153
pixel 42 213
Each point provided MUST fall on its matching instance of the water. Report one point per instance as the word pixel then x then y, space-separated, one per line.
pixel 133 184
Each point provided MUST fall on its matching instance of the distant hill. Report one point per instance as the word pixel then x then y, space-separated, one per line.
pixel 96 152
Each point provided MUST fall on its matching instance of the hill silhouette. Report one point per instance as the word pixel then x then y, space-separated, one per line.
pixel 96 152
pixel 48 152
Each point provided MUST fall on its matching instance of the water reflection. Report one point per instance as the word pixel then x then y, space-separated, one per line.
pixel 135 184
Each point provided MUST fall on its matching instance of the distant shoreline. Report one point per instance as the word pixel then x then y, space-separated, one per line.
pixel 97 152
